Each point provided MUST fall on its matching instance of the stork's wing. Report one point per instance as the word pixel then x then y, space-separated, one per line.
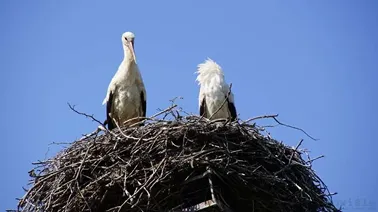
pixel 108 111
pixel 231 107
pixel 144 103
pixel 203 108
pixel 230 102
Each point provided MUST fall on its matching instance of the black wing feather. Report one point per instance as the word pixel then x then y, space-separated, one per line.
pixel 231 107
pixel 144 105
pixel 109 120
pixel 203 108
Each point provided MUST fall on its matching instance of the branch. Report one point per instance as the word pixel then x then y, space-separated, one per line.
pixel 84 114
pixel 151 117
pixel 99 128
pixel 174 99
pixel 286 125
pixel 119 128
pixel 274 116
pixel 312 160
pixel 295 150
pixel 163 111
pixel 260 117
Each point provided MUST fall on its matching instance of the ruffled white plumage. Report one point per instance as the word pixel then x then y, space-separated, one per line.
pixel 213 91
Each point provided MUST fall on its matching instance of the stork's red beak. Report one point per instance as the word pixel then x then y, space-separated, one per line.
pixel 131 47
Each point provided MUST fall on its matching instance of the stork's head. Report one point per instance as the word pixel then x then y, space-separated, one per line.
pixel 209 71
pixel 128 43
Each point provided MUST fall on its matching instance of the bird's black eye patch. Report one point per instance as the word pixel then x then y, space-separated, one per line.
pixel 126 39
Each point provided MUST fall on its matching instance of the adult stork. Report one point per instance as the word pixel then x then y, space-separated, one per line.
pixel 126 95
pixel 215 99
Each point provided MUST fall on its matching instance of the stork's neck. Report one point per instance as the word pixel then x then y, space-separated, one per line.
pixel 128 56
pixel 128 67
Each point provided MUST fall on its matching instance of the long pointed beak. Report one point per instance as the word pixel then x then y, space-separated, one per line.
pixel 131 46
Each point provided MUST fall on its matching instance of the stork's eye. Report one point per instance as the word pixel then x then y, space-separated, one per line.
pixel 126 39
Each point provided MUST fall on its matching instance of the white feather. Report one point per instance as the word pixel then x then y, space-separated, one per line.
pixel 214 89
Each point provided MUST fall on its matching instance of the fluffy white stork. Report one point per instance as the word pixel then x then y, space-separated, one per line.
pixel 214 92
pixel 126 96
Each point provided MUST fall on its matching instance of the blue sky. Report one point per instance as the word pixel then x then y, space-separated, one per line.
pixel 312 62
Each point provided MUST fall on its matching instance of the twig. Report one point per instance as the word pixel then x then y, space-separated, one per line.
pixel 99 128
pixel 312 160
pixel 295 150
pixel 286 125
pixel 84 114
pixel 274 116
pixel 123 134
pixel 164 111
pixel 259 117
pixel 151 117
pixel 174 99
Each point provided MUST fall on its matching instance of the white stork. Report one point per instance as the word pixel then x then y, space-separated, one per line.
pixel 126 95
pixel 214 92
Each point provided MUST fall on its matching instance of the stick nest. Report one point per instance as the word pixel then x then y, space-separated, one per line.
pixel 168 164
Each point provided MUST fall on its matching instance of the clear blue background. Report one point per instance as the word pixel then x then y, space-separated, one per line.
pixel 312 61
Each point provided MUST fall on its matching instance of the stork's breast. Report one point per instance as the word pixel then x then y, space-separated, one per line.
pixel 128 103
